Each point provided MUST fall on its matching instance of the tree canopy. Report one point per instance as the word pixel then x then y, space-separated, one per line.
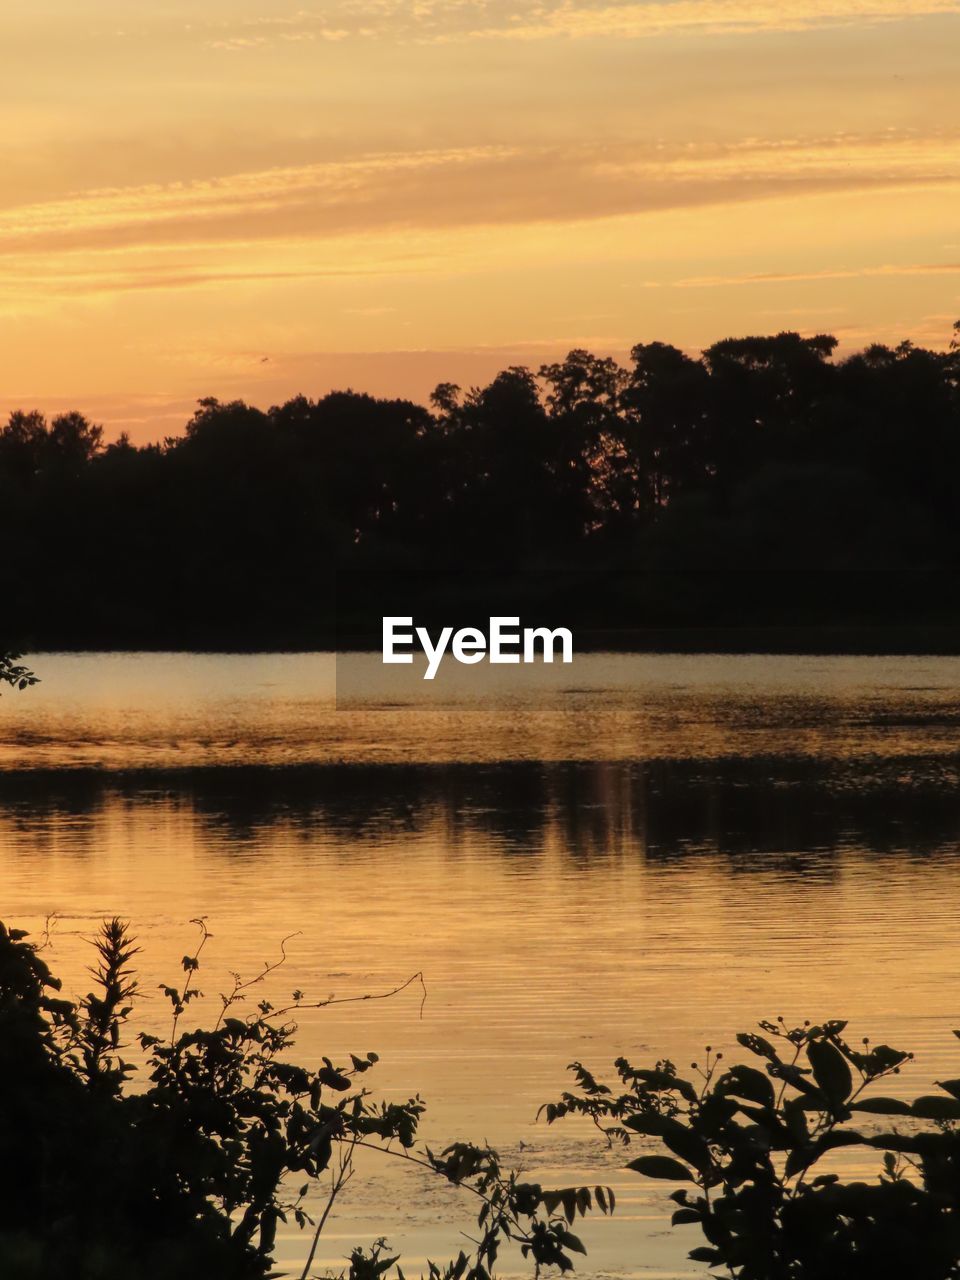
pixel 766 455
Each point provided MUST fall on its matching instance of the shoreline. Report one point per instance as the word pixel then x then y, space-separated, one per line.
pixel 806 641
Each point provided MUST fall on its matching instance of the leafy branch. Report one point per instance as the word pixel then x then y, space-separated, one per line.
pixel 747 1141
pixel 190 1164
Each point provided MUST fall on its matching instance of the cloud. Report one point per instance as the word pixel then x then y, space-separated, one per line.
pixel 318 197
pixel 800 277
pixel 710 17
pixel 445 21
pixel 473 187
pixel 234 44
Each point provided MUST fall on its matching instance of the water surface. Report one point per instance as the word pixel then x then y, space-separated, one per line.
pixel 637 854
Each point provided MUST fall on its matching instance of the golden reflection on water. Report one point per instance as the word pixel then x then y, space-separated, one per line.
pixel 124 711
pixel 642 903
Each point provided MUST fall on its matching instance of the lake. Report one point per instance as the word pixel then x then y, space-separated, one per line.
pixel 636 854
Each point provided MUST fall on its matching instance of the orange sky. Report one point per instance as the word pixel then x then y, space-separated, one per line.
pixel 247 198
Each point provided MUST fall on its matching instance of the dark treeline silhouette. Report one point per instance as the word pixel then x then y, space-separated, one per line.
pixel 766 482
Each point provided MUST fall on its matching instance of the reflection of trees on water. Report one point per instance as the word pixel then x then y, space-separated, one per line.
pixel 790 810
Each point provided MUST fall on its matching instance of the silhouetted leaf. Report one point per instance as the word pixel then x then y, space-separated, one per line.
pixel 682 1216
pixel 756 1044
pixel 570 1241
pixel 747 1082
pixel 703 1254
pixel 654 1123
pixel 882 1106
pixel 830 1070
pixel 934 1107
pixel 661 1167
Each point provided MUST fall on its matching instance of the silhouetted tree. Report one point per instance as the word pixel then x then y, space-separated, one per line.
pixel 765 453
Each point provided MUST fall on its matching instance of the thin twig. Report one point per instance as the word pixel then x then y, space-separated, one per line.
pixel 239 986
pixel 201 922
pixel 338 1182
pixel 377 995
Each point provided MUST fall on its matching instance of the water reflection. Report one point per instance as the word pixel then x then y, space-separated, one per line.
pixel 659 809
pixel 670 853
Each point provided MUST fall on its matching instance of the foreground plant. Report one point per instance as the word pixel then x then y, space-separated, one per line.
pixel 14 673
pixel 752 1146
pixel 185 1166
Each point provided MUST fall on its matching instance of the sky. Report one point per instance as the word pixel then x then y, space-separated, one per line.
pixel 243 198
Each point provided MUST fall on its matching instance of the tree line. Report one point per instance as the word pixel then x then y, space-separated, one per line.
pixel 765 480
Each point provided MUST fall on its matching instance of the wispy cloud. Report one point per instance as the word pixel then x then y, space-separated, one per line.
pixel 708 17
pixel 801 277
pixel 236 44
pixel 231 204
pixel 442 21
pixel 497 186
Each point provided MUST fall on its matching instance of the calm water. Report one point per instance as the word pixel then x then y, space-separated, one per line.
pixel 632 855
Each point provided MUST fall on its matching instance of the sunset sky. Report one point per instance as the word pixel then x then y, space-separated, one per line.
pixel 236 197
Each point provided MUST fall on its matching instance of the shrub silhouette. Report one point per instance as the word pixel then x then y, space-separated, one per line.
pixel 747 1144
pixel 184 1167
